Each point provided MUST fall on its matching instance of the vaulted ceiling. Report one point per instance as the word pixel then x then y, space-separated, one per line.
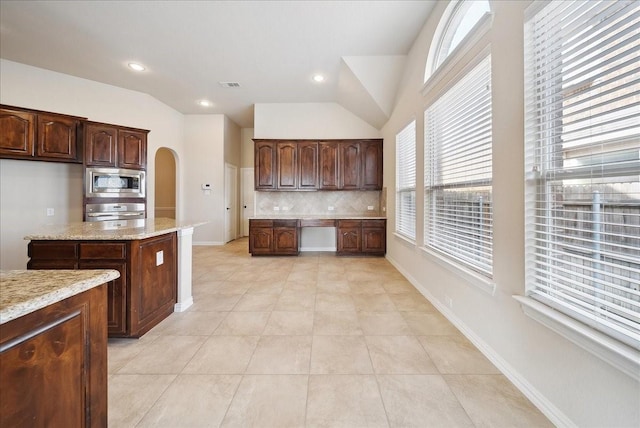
pixel 271 48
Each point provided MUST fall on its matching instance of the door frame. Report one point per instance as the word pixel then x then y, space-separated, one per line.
pixel 230 202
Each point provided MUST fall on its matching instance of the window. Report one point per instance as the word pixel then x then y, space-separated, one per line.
pixel 583 163
pixel 463 16
pixel 406 181
pixel 458 173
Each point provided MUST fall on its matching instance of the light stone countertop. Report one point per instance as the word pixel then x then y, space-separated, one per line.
pixel 110 230
pixel 25 291
pixel 319 217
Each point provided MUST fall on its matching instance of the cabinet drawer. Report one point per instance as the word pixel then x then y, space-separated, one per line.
pixel 53 250
pixel 285 223
pixel 373 223
pixel 260 223
pixel 349 223
pixel 93 251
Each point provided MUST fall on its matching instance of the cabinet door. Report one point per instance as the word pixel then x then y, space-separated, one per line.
pixel 132 149
pixel 153 288
pixel 285 240
pixel 349 239
pixel 116 296
pixel 328 168
pixel 287 162
pixel 371 154
pixel 374 240
pixel 57 138
pixel 308 165
pixel 100 145
pixel 349 165
pixel 17 133
pixel 261 240
pixel 265 165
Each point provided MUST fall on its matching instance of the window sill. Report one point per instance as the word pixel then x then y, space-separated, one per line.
pixel 405 238
pixel 474 278
pixel 619 355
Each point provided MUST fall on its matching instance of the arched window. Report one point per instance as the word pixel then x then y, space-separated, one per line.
pixel 463 15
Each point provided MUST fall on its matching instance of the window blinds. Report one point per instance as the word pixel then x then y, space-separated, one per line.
pixel 458 171
pixel 406 181
pixel 583 162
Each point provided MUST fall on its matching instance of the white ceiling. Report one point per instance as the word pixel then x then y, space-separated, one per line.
pixel 272 48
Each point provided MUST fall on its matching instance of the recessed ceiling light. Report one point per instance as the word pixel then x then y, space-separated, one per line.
pixel 205 103
pixel 318 78
pixel 136 66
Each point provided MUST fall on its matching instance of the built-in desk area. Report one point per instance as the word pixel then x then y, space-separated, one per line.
pixel 355 235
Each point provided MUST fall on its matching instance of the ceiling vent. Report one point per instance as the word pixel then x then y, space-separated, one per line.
pixel 229 84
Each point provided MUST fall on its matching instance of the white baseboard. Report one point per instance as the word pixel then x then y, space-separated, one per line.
pixel 182 306
pixel 208 243
pixel 555 415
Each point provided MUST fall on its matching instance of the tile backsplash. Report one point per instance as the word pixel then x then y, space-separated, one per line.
pixel 317 203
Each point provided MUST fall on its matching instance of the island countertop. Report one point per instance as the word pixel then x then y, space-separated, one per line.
pixel 25 291
pixel 110 230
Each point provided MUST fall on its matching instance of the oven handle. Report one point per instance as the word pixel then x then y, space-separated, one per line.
pixel 122 214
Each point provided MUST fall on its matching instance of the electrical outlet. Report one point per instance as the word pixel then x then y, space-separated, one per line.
pixel 276 208
pixel 370 207
pixel 51 212
pixel 159 257
pixel 330 208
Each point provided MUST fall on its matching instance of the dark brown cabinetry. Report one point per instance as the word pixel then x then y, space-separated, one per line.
pixel 274 237
pixel 366 237
pixel 113 146
pixel 36 135
pixel 144 294
pixel 318 165
pixel 53 364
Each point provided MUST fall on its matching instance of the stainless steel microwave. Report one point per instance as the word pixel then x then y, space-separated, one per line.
pixel 114 183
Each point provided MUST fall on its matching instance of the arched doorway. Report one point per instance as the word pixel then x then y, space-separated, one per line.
pixel 165 184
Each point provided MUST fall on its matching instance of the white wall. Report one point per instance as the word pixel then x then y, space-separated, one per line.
pixel 204 135
pixel 572 386
pixel 29 188
pixel 309 120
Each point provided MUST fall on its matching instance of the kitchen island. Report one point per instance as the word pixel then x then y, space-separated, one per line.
pixel 53 348
pixel 153 257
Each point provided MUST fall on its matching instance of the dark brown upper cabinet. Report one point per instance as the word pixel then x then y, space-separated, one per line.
pixel 36 135
pixel 287 161
pixel 308 165
pixel 265 165
pixel 371 157
pixel 114 147
pixel 318 165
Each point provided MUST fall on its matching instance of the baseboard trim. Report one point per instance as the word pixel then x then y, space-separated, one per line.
pixel 207 243
pixel 182 306
pixel 318 249
pixel 555 415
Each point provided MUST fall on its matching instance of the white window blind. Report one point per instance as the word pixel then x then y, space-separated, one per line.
pixel 406 181
pixel 458 173
pixel 583 162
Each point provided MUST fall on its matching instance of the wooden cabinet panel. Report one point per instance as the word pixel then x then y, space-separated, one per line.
pixel 274 237
pixel 328 166
pixel 57 137
pixel 308 165
pixel 17 133
pixel 287 165
pixel 132 149
pixel 265 165
pixel 52 250
pixel 285 240
pixel 371 154
pixel 97 251
pixel 154 286
pixel 349 240
pixel 53 365
pixel 100 145
pixel 361 237
pixel 260 240
pixel 116 296
pixel 349 165
pixel 374 240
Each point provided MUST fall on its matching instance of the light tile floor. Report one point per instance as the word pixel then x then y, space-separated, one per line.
pixel 309 341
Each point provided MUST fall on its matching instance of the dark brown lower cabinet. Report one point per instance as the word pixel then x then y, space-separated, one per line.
pixel 146 291
pixel 53 364
pixel 361 237
pixel 274 237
